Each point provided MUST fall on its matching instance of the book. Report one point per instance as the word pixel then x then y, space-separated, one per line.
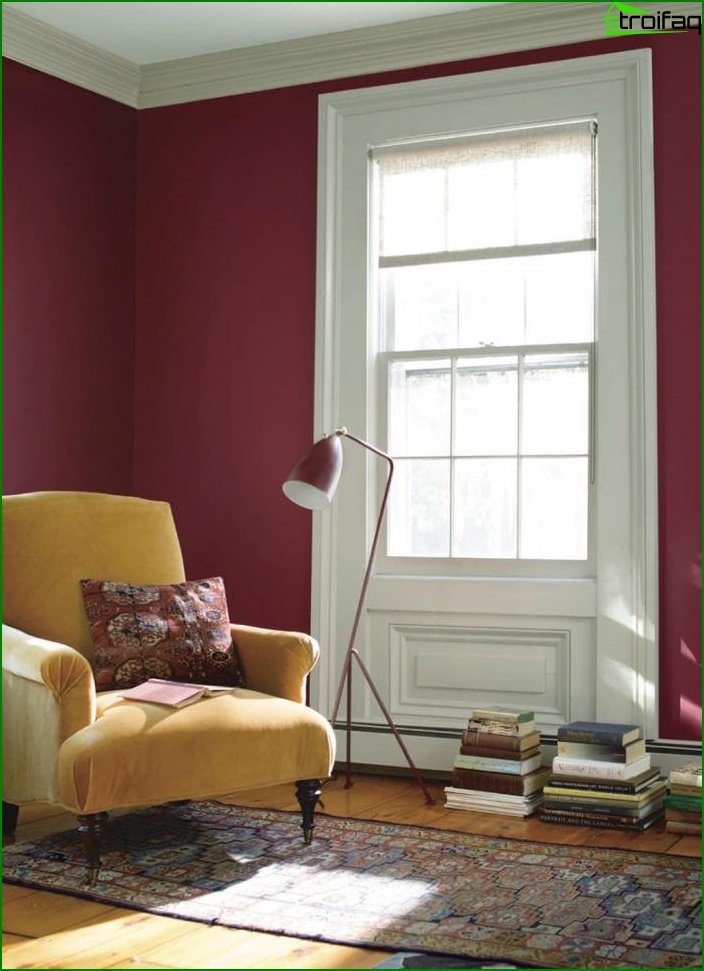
pixel 609 808
pixel 518 811
pixel 636 784
pixel 485 802
pixel 691 803
pixel 602 822
pixel 498 753
pixel 656 788
pixel 689 774
pixel 680 790
pixel 674 826
pixel 603 753
pixel 598 733
pixel 174 694
pixel 501 715
pixel 683 816
pixel 517 729
pixel 601 770
pixel 500 782
pixel 501 742
pixel 498 765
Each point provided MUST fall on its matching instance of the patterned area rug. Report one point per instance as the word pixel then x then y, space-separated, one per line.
pixel 387 886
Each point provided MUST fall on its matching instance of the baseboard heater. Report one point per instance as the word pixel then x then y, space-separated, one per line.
pixel 653 745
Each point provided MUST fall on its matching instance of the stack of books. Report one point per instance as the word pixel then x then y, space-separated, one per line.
pixel 683 804
pixel 499 766
pixel 602 776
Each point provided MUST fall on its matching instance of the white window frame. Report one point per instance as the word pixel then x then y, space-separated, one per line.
pixel 627 553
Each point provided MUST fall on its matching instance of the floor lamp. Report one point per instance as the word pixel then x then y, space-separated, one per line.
pixel 312 484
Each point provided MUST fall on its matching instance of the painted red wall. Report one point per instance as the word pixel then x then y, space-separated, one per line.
pixel 68 309
pixel 225 291
pixel 225 338
pixel 678 206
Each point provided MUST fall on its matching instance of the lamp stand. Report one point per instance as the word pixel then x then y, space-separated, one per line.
pixel 352 653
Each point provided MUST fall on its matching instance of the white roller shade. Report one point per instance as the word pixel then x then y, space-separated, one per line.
pixel 504 190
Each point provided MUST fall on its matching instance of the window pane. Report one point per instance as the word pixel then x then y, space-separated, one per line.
pixel 492 305
pixel 559 298
pixel 484 513
pixel 555 407
pixel 554 495
pixel 420 306
pixel 486 395
pixel 481 205
pixel 419 408
pixel 419 508
pixel 553 198
pixel 413 213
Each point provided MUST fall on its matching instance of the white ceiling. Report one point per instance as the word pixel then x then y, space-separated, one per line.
pixel 149 32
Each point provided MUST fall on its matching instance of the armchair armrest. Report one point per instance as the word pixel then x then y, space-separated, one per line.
pixel 57 667
pixel 276 662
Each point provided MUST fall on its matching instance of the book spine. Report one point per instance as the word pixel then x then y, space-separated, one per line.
pixel 507 717
pixel 593 736
pixel 624 818
pixel 682 816
pixel 508 766
pixel 674 826
pixel 513 755
pixel 635 798
pixel 676 788
pixel 685 779
pixel 567 806
pixel 603 753
pixel 508 743
pixel 690 803
pixel 573 819
pixel 497 728
pixel 593 768
pixel 567 782
pixel 488 782
pixel 520 811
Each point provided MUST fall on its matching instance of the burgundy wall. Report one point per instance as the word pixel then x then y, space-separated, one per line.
pixel 225 293
pixel 69 199
pixel 678 204
pixel 225 337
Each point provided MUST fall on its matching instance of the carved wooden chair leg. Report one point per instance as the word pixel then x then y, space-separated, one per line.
pixel 91 829
pixel 308 794
pixel 10 813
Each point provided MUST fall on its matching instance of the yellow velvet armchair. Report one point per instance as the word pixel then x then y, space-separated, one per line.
pixel 92 752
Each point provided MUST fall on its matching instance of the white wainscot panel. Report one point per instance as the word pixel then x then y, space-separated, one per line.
pixel 438 673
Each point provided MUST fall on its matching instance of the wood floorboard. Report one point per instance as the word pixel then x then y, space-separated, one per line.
pixel 112 937
pixel 39 913
pixel 46 930
pixel 8 939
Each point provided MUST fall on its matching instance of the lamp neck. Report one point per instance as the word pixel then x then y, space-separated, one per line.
pixel 343 433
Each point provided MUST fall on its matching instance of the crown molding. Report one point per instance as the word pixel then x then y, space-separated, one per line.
pixel 36 44
pixel 429 40
pixel 368 50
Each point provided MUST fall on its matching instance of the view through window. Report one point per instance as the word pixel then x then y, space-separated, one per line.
pixel 486 276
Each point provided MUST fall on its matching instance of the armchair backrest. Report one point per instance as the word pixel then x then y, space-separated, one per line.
pixel 52 540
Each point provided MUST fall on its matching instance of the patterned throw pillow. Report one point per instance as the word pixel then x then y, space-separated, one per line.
pixel 179 631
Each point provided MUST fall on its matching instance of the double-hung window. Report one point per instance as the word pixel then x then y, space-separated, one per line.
pixel 485 287
pixel 486 315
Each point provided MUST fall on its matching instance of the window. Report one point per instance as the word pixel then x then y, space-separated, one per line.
pixel 486 261
pixel 466 283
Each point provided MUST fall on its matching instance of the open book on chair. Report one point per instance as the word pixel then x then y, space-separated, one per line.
pixel 175 694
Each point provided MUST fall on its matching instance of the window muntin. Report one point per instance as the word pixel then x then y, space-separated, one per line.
pixel 486 293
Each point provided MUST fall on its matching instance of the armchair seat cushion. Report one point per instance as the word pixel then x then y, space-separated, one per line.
pixel 138 754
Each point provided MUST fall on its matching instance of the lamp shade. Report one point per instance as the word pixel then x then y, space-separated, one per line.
pixel 313 482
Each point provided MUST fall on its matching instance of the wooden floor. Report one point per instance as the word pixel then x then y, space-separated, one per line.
pixel 47 930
